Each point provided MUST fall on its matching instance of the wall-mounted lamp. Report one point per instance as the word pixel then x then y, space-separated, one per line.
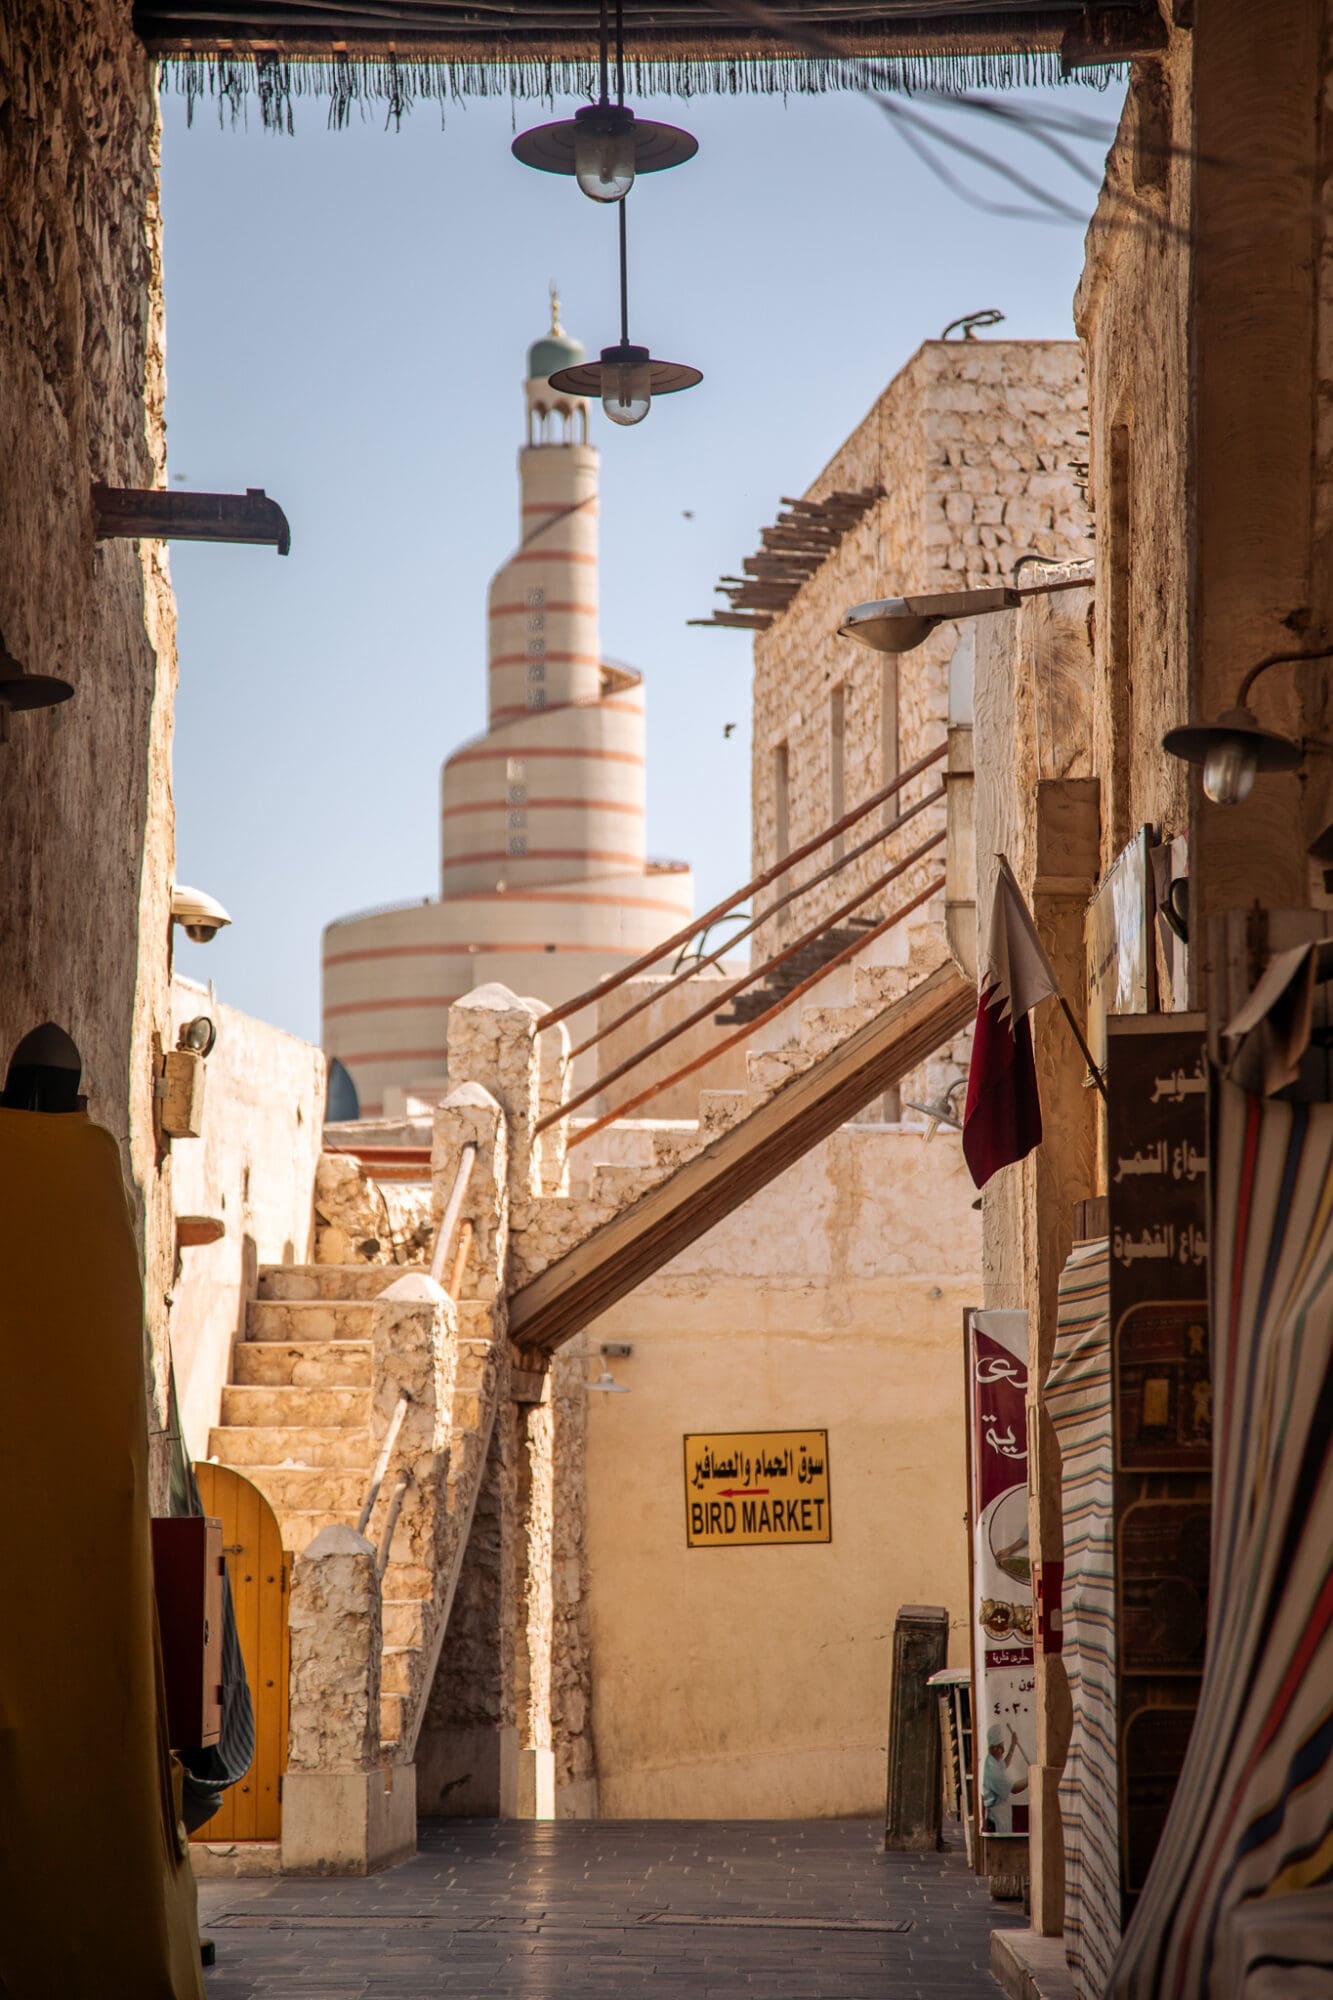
pixel 199 1035
pixel 941 1110
pixel 617 1350
pixel 200 916
pixel 626 377
pixel 604 145
pixel 20 690
pixel 898 624
pixel 1235 748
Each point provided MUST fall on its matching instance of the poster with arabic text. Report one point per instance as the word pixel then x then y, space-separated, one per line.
pixel 1004 1696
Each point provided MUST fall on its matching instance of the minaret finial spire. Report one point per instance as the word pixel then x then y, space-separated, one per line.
pixel 555 308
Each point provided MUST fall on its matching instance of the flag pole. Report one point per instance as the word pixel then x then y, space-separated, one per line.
pixel 1097 1076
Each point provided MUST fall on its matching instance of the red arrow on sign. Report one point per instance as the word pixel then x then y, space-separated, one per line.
pixel 742 1492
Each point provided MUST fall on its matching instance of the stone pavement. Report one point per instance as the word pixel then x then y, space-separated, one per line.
pixel 597 1910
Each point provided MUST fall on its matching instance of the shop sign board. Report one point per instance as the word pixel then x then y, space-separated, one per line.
pixel 756 1489
pixel 1120 943
pixel 1004 1703
pixel 1157 1202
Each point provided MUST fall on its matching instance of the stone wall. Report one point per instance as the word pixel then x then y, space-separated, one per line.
pixel 85 809
pixel 253 1170
pixel 1132 311
pixel 976 444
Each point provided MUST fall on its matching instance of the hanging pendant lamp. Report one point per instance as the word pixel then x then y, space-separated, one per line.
pixel 604 145
pixel 626 377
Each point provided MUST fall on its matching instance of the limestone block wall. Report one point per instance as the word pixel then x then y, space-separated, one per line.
pixel 85 810
pixel 1132 312
pixel 976 444
pixel 254 1171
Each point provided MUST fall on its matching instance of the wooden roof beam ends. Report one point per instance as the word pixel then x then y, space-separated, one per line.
pixel 558 1304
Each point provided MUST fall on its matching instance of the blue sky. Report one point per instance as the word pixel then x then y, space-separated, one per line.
pixel 347 317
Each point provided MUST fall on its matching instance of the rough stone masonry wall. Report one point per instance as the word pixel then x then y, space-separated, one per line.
pixel 975 444
pixel 1132 312
pixel 85 807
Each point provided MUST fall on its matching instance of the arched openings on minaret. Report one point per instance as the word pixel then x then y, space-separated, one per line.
pixel 557 422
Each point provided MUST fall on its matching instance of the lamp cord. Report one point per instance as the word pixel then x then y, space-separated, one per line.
pixel 602 41
pixel 620 53
pixel 1276 660
pixel 624 277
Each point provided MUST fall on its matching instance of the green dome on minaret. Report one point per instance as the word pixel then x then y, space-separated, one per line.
pixel 556 349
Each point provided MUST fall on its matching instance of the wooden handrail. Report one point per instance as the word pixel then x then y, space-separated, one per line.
pixel 401 1485
pixel 444 1235
pixel 720 1048
pixel 382 1462
pixel 465 1236
pixel 697 965
pixel 757 972
pixel 779 868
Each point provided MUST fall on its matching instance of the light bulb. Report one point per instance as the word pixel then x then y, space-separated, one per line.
pixel 604 151
pixel 1229 771
pixel 627 388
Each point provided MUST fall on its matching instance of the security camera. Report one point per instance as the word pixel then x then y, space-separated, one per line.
pixel 201 917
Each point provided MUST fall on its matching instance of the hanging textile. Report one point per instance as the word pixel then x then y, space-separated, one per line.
pixel 1252 1819
pixel 1078 1400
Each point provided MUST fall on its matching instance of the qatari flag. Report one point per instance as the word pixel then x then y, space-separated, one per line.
pixel 1002 1122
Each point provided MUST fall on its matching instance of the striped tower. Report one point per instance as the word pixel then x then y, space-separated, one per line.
pixel 545 884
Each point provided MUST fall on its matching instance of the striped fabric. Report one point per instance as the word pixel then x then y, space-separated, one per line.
pixel 1253 1812
pixel 1078 1399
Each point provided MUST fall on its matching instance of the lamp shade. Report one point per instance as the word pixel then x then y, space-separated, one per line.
pixel 1233 750
pixel 897 624
pixel 641 143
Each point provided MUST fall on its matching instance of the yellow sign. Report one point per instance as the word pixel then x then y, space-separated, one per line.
pixel 747 1488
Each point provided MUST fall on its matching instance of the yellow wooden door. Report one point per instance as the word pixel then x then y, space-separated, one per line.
pixel 260 1572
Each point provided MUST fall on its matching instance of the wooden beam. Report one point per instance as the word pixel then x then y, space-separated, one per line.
pixel 559 1303
pixel 155 513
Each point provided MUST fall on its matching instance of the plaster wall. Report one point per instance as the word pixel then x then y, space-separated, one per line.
pixel 86 822
pixel 754 1682
pixel 254 1170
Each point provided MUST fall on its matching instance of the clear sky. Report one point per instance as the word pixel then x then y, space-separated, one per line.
pixel 347 319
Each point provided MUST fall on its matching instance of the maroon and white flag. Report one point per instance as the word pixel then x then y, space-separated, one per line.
pixel 1002 1122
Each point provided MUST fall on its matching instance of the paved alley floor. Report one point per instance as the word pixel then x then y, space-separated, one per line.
pixel 581 1910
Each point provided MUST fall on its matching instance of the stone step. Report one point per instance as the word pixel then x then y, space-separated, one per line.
pixel 282 1446
pixel 768 1069
pixel 393 1717
pixel 880 985
pixel 293 1489
pixel 618 1186
pixel 396 1664
pixel 719 1110
pixel 404 1580
pixel 299 1528
pixel 404 1621
pixel 291 1407
pixel 310 1319
pixel 298 1282
pixel 672 1149
pixel 823 1029
pixel 302 1364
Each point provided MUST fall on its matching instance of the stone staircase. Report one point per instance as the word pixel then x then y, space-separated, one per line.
pixel 901 1012
pixel 296 1422
pixel 848 1000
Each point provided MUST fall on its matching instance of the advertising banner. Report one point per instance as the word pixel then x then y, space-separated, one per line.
pixel 1005 1724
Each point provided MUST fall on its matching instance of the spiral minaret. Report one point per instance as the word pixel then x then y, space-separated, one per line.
pixel 544 881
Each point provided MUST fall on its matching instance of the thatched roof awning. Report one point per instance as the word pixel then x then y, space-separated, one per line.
pixel 400 49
